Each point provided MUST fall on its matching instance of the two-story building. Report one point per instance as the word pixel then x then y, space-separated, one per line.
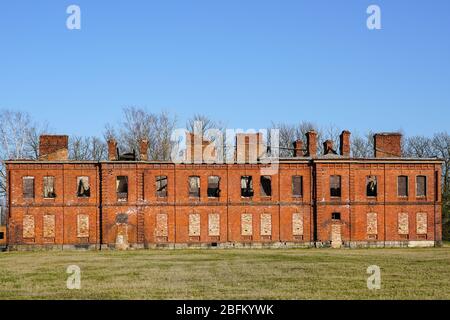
pixel 310 200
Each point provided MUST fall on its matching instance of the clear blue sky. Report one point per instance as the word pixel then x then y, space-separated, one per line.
pixel 247 62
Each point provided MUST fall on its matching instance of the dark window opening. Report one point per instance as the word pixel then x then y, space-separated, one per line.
pixel 266 186
pixel 372 186
pixel 194 187
pixel 402 186
pixel 84 190
pixel 2 235
pixel 335 186
pixel 28 187
pixel 213 187
pixel 336 216
pixel 49 187
pixel 161 186
pixel 297 186
pixel 421 186
pixel 247 186
pixel 122 218
pixel 122 188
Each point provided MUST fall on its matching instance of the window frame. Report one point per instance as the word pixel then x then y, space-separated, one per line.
pixel 340 186
pixel 54 187
pixel 300 195
pixel 262 192
pixel 406 186
pixel 250 190
pixel 79 179
pixel 198 194
pixel 118 194
pixel 216 194
pixel 367 186
pixel 23 187
pixel 158 192
pixel 336 219
pixel 425 189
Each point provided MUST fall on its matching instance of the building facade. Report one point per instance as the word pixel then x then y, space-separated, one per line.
pixel 311 200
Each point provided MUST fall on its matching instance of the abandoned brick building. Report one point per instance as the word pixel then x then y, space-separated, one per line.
pixel 329 199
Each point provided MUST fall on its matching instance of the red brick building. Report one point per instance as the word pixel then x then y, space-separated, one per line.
pixel 312 200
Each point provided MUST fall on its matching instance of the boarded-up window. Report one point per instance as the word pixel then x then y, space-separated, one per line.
pixel 28 226
pixel 422 223
pixel 83 189
pixel 49 226
pixel 371 186
pixel 297 224
pixel 335 186
pixel 247 186
pixel 194 187
pixel 266 186
pixel 266 224
pixel 297 186
pixel 402 186
pixel 161 225
pixel 213 187
pixel 49 187
pixel 194 225
pixel 421 186
pixel 403 223
pixel 372 223
pixel 247 224
pixel 214 225
pixel 83 226
pixel 161 186
pixel 28 187
pixel 122 188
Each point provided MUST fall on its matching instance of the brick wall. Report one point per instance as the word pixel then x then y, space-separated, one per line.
pixel 144 219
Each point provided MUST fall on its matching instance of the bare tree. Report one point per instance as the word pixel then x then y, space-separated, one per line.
pixel 418 147
pixel 362 146
pixel 19 139
pixel 140 124
pixel 87 148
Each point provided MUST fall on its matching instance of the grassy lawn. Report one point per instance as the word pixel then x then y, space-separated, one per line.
pixel 228 274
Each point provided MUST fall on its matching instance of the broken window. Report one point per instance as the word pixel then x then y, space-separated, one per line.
pixel 161 186
pixel 336 216
pixel 297 186
pixel 28 187
pixel 266 186
pixel 49 187
pixel 421 186
pixel 371 186
pixel 246 186
pixel 213 187
pixel 122 188
pixel 403 186
pixel 83 190
pixel 335 186
pixel 194 187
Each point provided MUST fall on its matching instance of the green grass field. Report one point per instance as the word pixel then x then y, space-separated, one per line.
pixel 228 274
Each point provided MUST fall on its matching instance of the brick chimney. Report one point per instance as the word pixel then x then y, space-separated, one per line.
pixel 112 150
pixel 298 148
pixel 53 148
pixel 328 147
pixel 249 147
pixel 311 141
pixel 388 145
pixel 143 150
pixel 344 147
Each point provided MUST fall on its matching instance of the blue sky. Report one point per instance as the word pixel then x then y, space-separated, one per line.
pixel 246 62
